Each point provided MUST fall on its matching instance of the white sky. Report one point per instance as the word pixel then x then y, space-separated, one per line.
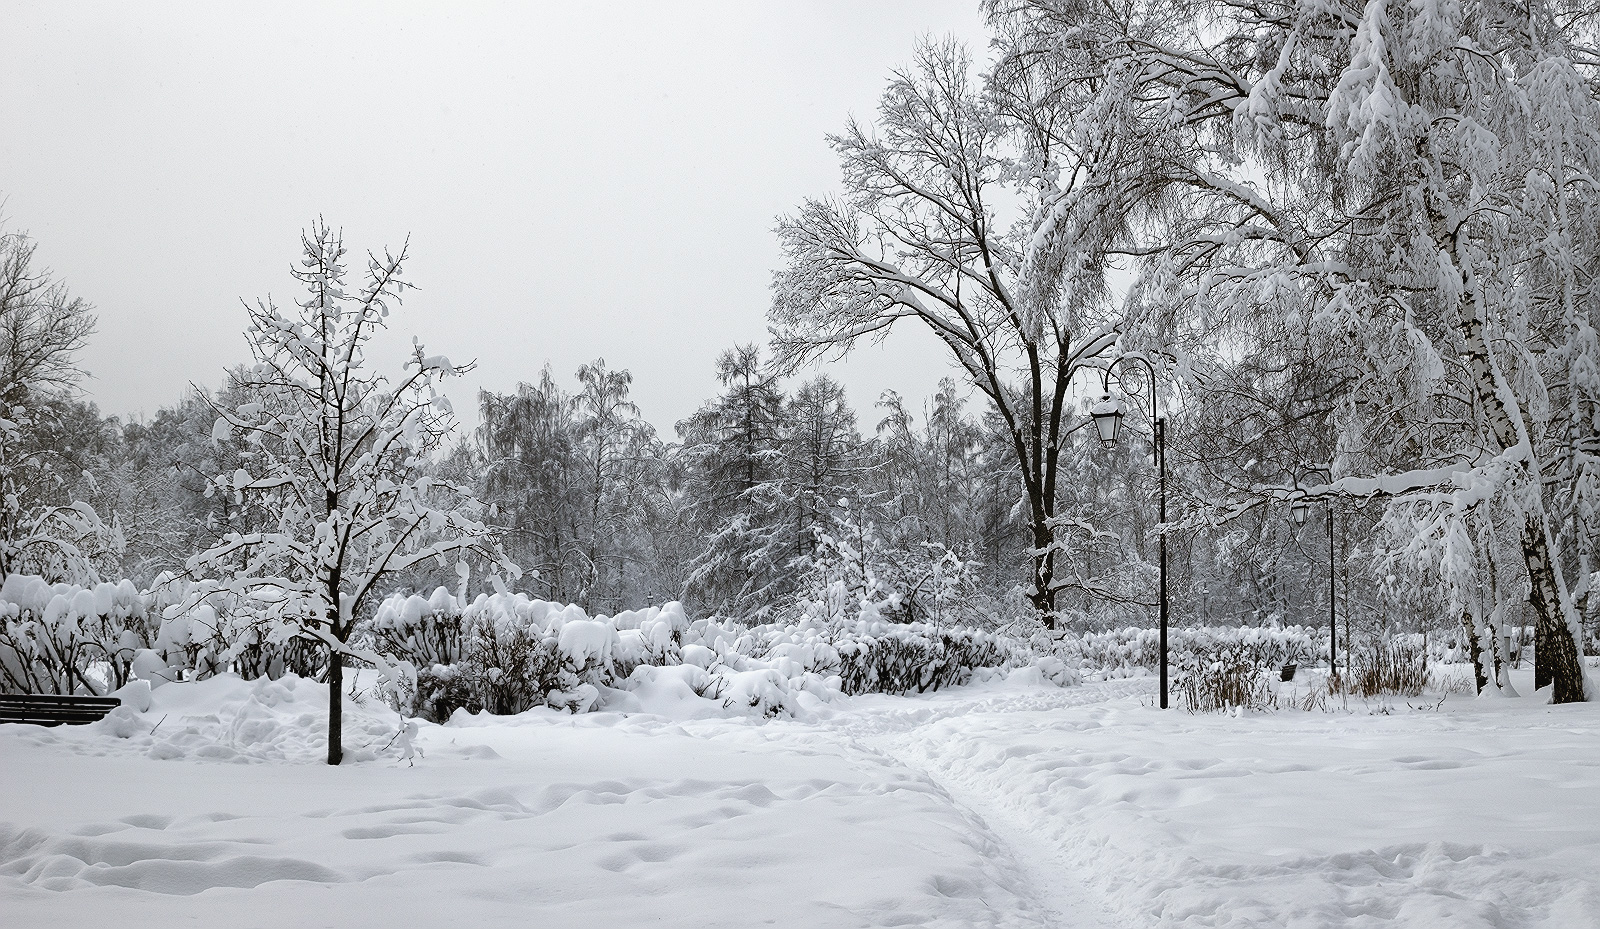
pixel 578 180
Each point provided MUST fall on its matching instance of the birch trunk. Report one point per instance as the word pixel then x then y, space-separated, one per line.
pixel 1556 659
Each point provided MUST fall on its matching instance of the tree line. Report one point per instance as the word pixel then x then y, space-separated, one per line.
pixel 762 482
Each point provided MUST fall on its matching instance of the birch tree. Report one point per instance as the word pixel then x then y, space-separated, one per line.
pixel 531 474
pixel 336 460
pixel 615 448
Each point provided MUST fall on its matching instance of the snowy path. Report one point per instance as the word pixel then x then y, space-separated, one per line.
pixel 1013 808
pixel 900 733
pixel 1484 815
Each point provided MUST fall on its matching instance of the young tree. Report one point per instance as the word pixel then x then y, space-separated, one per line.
pixel 339 458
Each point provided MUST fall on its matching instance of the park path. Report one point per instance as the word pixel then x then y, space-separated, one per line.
pixel 900 733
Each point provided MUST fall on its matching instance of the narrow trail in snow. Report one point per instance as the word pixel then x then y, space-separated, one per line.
pixel 897 736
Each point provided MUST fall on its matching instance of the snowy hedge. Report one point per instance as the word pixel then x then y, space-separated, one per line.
pixel 506 653
pixel 65 639
pixel 1122 649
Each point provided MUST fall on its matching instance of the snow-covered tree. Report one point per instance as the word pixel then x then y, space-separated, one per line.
pixel 530 475
pixel 967 211
pixel 337 463
pixel 42 329
pixel 617 460
pixel 733 448
pixel 1395 200
pixel 824 457
pixel 576 479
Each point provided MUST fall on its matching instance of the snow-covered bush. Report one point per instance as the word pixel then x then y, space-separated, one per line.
pixel 507 653
pixel 65 639
pixel 853 568
pixel 423 630
pixel 1386 665
pixel 206 630
pixel 1134 647
pixel 919 657
pixel 1226 671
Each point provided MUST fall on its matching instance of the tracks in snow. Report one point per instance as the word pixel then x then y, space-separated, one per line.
pixel 898 737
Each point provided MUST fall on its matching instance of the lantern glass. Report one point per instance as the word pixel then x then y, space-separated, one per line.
pixel 1299 510
pixel 1107 416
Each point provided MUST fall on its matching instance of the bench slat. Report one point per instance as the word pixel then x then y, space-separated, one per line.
pixel 69 702
pixel 54 709
pixel 58 700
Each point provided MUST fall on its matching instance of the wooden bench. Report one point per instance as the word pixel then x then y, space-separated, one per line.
pixel 54 710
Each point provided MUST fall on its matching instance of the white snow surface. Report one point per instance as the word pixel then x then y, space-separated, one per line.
pixel 1001 804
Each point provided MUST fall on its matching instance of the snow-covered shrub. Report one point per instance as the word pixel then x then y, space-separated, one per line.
pixel 507 653
pixel 1386 665
pixel 206 630
pixel 423 630
pixel 511 653
pixel 653 636
pixel 1136 647
pixel 919 657
pixel 1227 671
pixel 853 567
pixel 65 639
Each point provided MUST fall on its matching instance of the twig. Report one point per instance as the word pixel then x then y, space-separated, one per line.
pixel 158 723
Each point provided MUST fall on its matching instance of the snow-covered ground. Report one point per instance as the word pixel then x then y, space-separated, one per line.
pixel 998 805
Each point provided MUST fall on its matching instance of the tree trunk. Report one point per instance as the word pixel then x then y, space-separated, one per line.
pixel 1555 652
pixel 335 715
pixel 1555 648
pixel 335 669
pixel 1475 648
pixel 1044 563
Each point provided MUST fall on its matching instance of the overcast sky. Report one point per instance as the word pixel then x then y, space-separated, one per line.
pixel 577 180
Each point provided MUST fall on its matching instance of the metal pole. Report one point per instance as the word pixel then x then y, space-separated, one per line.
pixel 1161 465
pixel 1160 451
pixel 1333 621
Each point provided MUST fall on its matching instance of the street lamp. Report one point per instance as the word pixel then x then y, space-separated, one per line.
pixel 1300 511
pixel 1107 415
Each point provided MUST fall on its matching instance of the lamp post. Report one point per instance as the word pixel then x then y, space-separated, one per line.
pixel 1107 415
pixel 1300 511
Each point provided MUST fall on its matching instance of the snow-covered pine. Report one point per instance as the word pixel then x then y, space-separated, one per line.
pixel 738 498
pixel 337 464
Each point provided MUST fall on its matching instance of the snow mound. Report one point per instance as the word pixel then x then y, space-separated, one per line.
pixel 229 719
